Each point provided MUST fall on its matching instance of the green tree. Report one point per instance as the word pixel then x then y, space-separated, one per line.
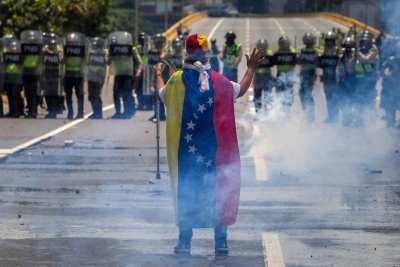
pixel 58 16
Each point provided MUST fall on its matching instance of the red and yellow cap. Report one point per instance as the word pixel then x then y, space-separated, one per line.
pixel 197 44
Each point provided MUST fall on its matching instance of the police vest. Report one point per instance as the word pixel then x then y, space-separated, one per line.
pixel 283 67
pixel 231 54
pixel 308 58
pixel 73 64
pixel 265 65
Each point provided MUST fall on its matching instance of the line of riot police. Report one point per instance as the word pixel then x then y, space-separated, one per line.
pixel 53 67
pixel 348 71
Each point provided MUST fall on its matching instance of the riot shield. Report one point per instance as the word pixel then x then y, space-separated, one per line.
pixel 74 54
pixel 12 61
pixel 120 49
pixel 51 64
pixel 96 60
pixel 31 51
pixel 146 68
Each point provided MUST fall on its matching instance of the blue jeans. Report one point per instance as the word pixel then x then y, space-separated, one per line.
pixel 220 234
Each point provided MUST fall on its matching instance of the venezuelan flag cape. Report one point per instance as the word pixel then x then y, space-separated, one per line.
pixel 202 150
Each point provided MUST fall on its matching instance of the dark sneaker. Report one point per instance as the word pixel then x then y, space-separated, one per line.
pixel 95 116
pixel 152 118
pixel 79 116
pixel 221 247
pixel 116 116
pixel 70 116
pixel 182 248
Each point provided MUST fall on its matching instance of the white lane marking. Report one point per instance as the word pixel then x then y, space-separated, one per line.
pixel 215 28
pixel 5 152
pixel 317 32
pixel 247 36
pixel 259 162
pixel 279 26
pixel 272 250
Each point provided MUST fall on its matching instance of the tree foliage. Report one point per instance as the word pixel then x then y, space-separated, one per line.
pixel 58 16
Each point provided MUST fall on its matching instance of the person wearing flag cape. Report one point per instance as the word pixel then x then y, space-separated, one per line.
pixel 202 148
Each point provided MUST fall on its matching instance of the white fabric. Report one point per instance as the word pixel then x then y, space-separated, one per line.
pixel 236 91
pixel 202 70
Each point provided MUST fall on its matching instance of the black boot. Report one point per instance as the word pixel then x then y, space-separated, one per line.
pixel 97 107
pixel 183 247
pixel 52 102
pixel 80 107
pixel 70 111
pixel 32 107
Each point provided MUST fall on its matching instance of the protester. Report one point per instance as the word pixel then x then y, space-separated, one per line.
pixel 202 147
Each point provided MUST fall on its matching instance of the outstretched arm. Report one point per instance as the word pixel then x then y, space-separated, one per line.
pixel 252 63
pixel 159 67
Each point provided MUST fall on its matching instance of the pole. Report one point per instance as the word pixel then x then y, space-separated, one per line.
pixel 158 176
pixel 136 21
pixel 166 16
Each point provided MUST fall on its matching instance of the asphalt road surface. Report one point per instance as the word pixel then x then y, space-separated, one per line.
pixel 84 193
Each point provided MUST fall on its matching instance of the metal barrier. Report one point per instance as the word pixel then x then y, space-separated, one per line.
pixel 171 33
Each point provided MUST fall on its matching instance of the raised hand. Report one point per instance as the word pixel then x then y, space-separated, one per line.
pixel 255 59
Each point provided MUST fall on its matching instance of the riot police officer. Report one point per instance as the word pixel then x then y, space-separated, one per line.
pixel 97 63
pixel 51 75
pixel 347 77
pixel 177 53
pixel 231 55
pixel 74 59
pixel 308 56
pixel 12 61
pixel 329 56
pixel 31 49
pixel 390 94
pixel 144 101
pixel 160 52
pixel 367 65
pixel 285 60
pixel 122 58
pixel 214 61
pixel 263 80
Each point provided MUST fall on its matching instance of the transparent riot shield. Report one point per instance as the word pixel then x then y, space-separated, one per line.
pixel 96 60
pixel 31 50
pixel 120 49
pixel 51 65
pixel 147 90
pixel 74 54
pixel 12 61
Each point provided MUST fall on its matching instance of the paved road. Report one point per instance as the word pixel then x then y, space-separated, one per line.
pixel 312 195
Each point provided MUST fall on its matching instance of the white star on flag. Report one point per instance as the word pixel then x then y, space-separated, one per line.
pixel 200 158
pixel 191 125
pixel 208 164
pixel 192 149
pixel 195 116
pixel 188 137
pixel 210 101
pixel 201 108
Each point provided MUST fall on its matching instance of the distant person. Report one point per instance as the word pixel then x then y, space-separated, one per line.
pixel 214 61
pixel 231 55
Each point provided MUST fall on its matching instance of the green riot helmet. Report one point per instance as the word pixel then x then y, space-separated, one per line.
pixel 230 35
pixel 262 44
pixel 97 43
pixel 72 39
pixel 349 44
pixel 284 41
pixel 141 38
pixel 14 47
pixel 308 39
pixel 158 41
pixel 177 43
pixel 365 43
pixel 330 38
